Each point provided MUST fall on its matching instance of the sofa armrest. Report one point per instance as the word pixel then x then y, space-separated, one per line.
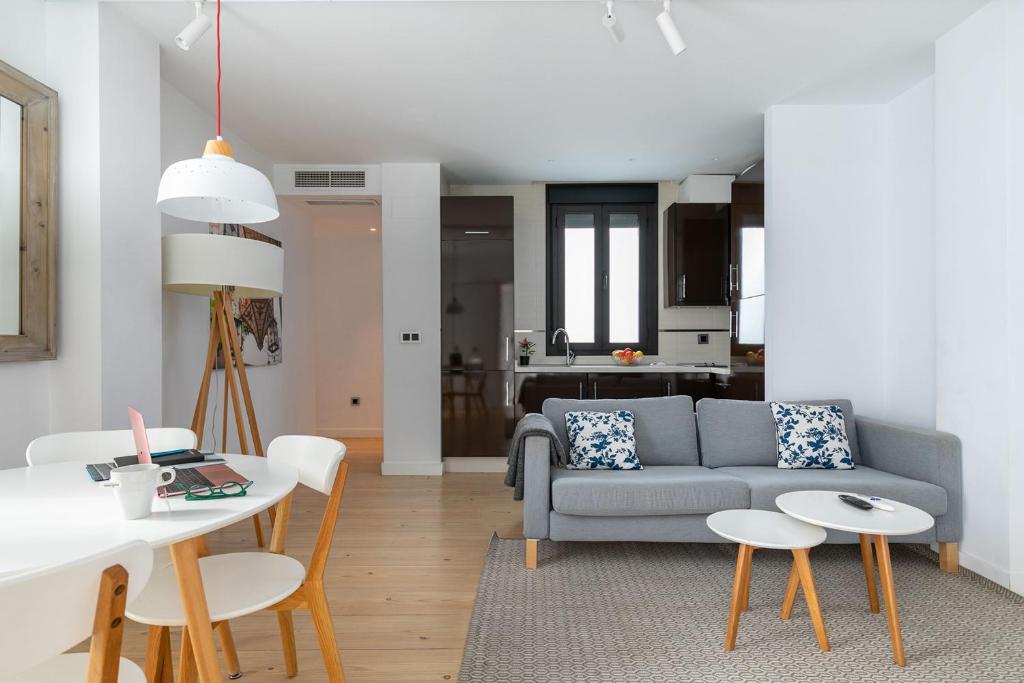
pixel 537 487
pixel 921 454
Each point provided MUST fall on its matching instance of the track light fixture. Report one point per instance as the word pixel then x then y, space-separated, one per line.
pixel 669 30
pixel 195 29
pixel 611 22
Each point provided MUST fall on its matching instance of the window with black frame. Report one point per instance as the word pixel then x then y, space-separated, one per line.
pixel 603 267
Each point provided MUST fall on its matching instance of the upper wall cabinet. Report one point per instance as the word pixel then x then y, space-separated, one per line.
pixel 697 255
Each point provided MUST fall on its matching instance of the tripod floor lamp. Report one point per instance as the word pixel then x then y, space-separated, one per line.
pixel 222 267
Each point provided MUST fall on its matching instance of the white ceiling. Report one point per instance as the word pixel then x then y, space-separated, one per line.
pixel 520 91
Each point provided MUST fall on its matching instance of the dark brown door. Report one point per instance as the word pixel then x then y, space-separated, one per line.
pixel 697 249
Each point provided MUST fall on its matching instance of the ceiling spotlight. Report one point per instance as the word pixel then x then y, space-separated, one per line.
pixel 195 29
pixel 669 30
pixel 611 22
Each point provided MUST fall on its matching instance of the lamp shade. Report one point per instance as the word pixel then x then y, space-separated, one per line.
pixel 216 189
pixel 200 264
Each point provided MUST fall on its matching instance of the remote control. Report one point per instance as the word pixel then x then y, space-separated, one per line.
pixel 856 502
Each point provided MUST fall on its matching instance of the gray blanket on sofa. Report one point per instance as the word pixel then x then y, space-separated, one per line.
pixel 532 424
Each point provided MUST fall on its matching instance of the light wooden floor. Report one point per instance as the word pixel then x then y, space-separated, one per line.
pixel 401 578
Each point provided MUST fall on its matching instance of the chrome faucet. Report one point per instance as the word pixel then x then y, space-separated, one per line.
pixel 569 355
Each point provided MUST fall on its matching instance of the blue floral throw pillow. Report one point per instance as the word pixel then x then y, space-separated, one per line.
pixel 812 437
pixel 601 441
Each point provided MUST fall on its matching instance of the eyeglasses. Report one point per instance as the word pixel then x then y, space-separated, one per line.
pixel 231 489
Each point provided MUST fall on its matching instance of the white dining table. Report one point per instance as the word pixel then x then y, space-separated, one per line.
pixel 50 514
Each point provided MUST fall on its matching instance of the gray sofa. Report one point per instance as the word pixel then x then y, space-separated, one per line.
pixel 721 457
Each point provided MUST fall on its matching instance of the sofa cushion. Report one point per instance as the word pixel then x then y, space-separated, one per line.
pixel 601 441
pixel 811 437
pixel 654 490
pixel 738 433
pixel 767 483
pixel 665 428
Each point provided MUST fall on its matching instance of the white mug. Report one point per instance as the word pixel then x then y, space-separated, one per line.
pixel 135 485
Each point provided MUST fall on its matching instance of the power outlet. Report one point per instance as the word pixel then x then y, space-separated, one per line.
pixel 703 338
pixel 355 401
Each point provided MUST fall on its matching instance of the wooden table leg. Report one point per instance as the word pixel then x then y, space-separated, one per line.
pixel 185 556
pixel 735 607
pixel 745 605
pixel 791 588
pixel 802 560
pixel 868 559
pixel 889 591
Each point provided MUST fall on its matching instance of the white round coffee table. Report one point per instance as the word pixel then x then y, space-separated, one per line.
pixel 754 529
pixel 825 509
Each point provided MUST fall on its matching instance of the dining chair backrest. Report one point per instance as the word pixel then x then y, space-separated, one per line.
pixel 47 611
pixel 103 446
pixel 315 457
pixel 319 463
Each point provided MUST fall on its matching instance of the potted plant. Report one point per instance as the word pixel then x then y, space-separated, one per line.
pixel 526 349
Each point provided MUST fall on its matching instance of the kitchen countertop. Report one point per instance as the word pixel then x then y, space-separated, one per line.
pixel 623 369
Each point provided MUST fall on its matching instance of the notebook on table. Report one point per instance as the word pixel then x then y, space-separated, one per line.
pixel 203 475
pixel 100 471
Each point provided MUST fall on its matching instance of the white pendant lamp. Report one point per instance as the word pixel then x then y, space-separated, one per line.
pixel 216 188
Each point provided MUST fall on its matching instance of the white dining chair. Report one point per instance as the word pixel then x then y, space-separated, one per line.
pixel 238 584
pixel 47 611
pixel 103 445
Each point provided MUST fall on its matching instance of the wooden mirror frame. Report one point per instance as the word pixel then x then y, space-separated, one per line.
pixel 38 310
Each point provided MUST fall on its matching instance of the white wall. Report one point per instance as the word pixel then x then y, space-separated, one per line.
pixel 283 394
pixel 411 249
pixel 25 387
pixel 530 226
pixel 129 130
pixel 104 70
pixel 825 236
pixel 347 284
pixel 979 285
pixel 908 352
pixel 926 327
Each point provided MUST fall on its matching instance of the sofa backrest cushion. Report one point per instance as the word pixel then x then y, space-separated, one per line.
pixel 740 433
pixel 665 428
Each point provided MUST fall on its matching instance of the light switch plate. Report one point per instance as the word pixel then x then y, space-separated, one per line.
pixel 410 337
pixel 703 338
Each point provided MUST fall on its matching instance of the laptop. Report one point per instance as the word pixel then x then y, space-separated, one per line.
pixel 140 436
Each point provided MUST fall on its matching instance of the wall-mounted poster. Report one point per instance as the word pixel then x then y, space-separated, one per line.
pixel 258 321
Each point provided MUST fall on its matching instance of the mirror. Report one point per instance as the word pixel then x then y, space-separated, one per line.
pixel 10 217
pixel 28 161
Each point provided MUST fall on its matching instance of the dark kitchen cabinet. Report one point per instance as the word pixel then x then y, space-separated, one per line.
pixel 697 252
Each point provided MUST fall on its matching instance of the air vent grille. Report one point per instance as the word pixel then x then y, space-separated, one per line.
pixel 330 179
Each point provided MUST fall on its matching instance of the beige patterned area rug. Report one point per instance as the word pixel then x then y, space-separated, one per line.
pixel 652 612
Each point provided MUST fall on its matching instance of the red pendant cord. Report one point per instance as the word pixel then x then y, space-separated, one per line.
pixel 218 70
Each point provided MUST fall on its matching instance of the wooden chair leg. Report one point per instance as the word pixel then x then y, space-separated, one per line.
pixel 735 607
pixel 868 559
pixel 531 553
pixel 803 565
pixel 227 645
pixel 108 626
pixel 259 530
pixel 287 628
pixel 321 612
pixel 791 587
pixel 949 557
pixel 187 671
pixel 158 668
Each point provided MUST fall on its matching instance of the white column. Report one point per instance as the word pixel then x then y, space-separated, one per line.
pixel 411 257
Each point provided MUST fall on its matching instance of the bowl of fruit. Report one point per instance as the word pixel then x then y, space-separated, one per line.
pixel 627 356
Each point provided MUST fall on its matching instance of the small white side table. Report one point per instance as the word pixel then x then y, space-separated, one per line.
pixel 754 529
pixel 824 509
